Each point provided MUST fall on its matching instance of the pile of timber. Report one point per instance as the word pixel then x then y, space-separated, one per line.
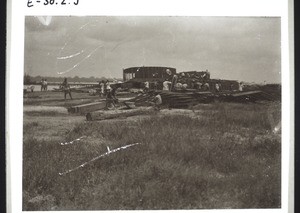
pixel 177 100
pixel 174 99
pixel 186 99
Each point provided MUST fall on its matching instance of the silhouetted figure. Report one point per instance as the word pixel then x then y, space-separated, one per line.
pixel 66 88
pixel 45 85
pixel 42 84
pixel 111 98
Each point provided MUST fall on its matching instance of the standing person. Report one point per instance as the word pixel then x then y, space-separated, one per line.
pixel 217 87
pixel 241 87
pixel 31 88
pixel 45 85
pixel 108 86
pixel 113 94
pixel 166 85
pixel 104 82
pixel 102 88
pixel 198 85
pixel 174 82
pixel 110 99
pixel 155 85
pixel 146 86
pixel 42 84
pixel 206 87
pixel 66 88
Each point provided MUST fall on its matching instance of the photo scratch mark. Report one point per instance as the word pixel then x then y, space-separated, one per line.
pixel 71 142
pixel 45 20
pixel 117 45
pixel 76 65
pixel 96 158
pixel 277 128
pixel 70 56
pixel 70 37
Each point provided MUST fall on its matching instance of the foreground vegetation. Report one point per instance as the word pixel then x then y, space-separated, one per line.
pixel 217 156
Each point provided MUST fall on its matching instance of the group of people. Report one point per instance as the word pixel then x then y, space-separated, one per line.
pixel 155 85
pixel 44 85
pixel 181 82
pixel 201 86
pixel 105 90
pixel 109 92
pixel 104 87
pixel 167 86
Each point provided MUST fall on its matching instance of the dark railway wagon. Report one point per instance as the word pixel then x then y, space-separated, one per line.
pixel 225 85
pixel 134 77
pixel 148 73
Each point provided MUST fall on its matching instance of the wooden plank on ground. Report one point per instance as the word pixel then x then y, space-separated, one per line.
pixel 85 108
pixel 245 93
pixel 111 114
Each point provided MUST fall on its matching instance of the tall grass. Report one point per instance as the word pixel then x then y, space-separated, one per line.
pixel 224 157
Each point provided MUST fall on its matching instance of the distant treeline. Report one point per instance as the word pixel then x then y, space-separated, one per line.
pixel 37 79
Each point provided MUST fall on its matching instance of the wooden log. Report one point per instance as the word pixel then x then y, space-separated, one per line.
pixel 85 108
pixel 111 114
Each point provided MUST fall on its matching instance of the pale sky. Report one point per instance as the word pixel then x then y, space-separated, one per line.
pixel 238 48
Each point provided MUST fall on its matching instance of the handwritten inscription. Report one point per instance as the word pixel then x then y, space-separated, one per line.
pixel 31 3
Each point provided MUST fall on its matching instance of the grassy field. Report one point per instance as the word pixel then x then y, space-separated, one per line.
pixel 217 156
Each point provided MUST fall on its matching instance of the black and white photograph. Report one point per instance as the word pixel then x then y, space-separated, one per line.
pixel 152 113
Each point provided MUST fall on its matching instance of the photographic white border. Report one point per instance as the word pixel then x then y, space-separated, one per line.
pixel 17 10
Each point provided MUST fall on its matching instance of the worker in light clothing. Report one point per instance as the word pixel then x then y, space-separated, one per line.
pixel 146 86
pixel 156 102
pixel 178 86
pixel 166 85
pixel 102 88
pixel 198 85
pixel 217 87
pixel 108 87
pixel 241 87
pixel 206 86
pixel 184 86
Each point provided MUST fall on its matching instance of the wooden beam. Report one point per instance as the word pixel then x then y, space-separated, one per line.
pixel 85 108
pixel 111 114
